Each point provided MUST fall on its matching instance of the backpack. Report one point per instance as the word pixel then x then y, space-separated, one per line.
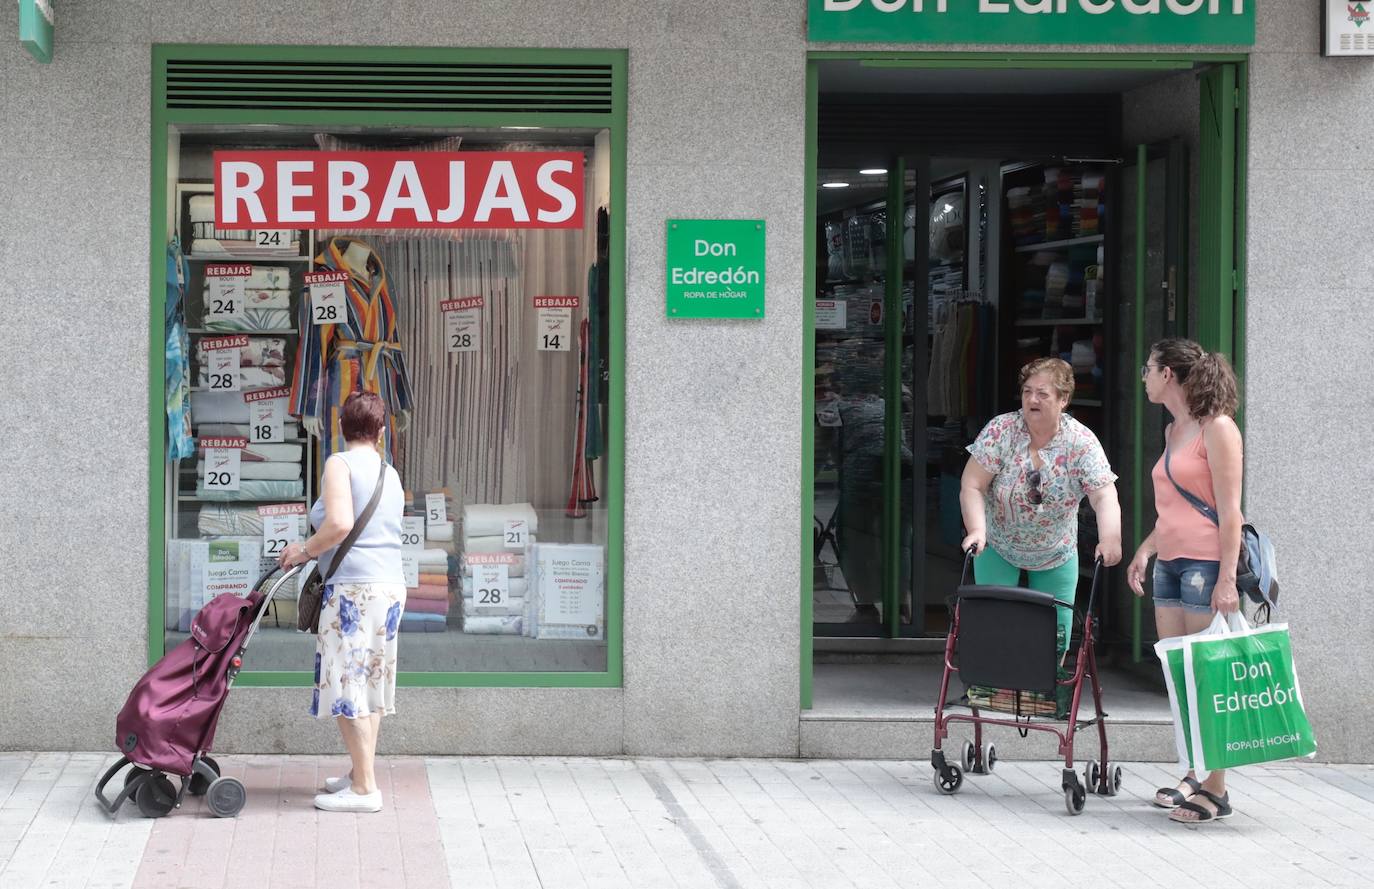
pixel 1257 573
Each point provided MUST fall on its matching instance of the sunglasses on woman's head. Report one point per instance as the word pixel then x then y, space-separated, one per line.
pixel 1034 495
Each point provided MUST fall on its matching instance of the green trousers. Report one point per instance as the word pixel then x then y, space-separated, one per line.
pixel 1062 582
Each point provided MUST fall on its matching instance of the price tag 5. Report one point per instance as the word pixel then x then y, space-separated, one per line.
pixel 278 532
pixel 413 532
pixel 490 587
pixel 517 534
pixel 436 509
pixel 222 466
pixel 222 374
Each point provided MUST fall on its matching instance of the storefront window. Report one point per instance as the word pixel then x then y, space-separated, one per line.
pixel 463 275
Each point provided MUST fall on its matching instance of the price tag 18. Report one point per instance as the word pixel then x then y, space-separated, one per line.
pixel 327 297
pixel 222 469
pixel 413 532
pixel 436 509
pixel 278 532
pixel 410 567
pixel 267 420
pixel 517 533
pixel 223 375
pixel 490 586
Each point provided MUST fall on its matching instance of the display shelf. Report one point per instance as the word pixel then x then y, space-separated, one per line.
pixel 1059 245
pixel 1057 322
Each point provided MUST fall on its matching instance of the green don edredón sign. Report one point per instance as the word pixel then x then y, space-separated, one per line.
pixel 1180 22
pixel 35 28
pixel 715 268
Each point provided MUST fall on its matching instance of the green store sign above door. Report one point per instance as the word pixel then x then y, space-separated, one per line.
pixel 1180 22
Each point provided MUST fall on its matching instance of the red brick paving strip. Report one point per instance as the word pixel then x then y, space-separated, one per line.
pixel 280 840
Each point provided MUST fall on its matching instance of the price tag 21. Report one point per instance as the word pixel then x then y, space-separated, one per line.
pixel 278 532
pixel 327 305
pixel 413 532
pixel 222 467
pixel 517 533
pixel 490 587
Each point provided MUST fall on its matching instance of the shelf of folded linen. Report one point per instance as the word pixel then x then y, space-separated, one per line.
pixel 428 602
pixel 210 241
pixel 496 534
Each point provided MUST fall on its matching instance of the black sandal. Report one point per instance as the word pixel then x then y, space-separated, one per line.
pixel 1176 797
pixel 1223 804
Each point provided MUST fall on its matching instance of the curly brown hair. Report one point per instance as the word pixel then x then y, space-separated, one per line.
pixel 1060 373
pixel 1209 384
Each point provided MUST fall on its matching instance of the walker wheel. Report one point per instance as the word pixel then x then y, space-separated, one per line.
pixel 156 796
pixel 989 756
pixel 1074 797
pixel 950 780
pixel 199 783
pixel 1113 781
pixel 967 755
pixel 1092 775
pixel 226 797
pixel 135 773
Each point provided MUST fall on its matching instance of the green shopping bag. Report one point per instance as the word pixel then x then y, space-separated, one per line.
pixel 1243 701
pixel 1170 654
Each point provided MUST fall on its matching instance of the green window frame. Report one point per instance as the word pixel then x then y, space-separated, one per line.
pixel 614 120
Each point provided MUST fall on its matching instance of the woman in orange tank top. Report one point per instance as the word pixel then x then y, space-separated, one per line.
pixel 1195 569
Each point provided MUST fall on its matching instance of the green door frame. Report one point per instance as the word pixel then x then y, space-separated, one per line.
pixel 1233 309
pixel 615 122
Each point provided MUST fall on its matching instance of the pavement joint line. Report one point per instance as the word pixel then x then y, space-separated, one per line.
pixel 709 856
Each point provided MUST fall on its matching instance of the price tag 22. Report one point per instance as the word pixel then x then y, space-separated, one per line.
pixel 490 587
pixel 278 532
pixel 222 375
pixel 327 300
pixel 517 534
pixel 222 467
pixel 413 532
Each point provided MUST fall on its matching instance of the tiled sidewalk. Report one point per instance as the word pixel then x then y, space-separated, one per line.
pixel 732 824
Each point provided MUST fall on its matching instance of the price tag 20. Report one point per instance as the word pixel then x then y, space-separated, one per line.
pixel 278 532
pixel 327 301
pixel 222 375
pixel 517 533
pixel 413 532
pixel 490 587
pixel 410 567
pixel 436 509
pixel 222 466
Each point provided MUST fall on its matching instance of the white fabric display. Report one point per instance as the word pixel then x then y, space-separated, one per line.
pixel 218 407
pixel 290 429
pixel 254 489
pixel 270 453
pixel 516 569
pixel 505 625
pixel 212 247
pixel 518 586
pixel 284 472
pixel 439 531
pixel 496 544
pixel 203 208
pixel 486 520
pixel 433 557
pixel 225 519
pixel 510 608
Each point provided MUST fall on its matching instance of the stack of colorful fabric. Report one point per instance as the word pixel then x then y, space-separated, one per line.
pixel 262 362
pixel 427 605
pixel 267 302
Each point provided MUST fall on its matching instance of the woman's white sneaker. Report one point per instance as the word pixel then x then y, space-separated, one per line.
pixel 348 801
pixel 334 785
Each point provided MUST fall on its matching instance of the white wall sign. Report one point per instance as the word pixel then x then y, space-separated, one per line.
pixel 553 322
pixel 462 323
pixel 571 588
pixel 1347 28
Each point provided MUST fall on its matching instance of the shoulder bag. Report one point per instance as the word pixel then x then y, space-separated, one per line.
pixel 312 590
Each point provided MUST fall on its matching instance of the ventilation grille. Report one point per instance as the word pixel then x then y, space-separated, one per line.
pixel 389 86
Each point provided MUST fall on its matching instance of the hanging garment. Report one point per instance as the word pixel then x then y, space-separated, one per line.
pixel 180 444
pixel 361 353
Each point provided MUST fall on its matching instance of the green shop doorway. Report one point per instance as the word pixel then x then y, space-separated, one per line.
pixel 969 213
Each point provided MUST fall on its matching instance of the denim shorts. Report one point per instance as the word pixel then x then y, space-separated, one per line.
pixel 1185 583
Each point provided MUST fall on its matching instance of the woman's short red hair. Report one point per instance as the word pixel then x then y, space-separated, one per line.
pixel 362 417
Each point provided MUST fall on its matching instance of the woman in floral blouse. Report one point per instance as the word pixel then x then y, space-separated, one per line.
pixel 1020 493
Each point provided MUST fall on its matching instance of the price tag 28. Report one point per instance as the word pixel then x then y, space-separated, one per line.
pixel 413 532
pixel 327 301
pixel 490 586
pixel 222 467
pixel 278 532
pixel 222 375
pixel 410 567
pixel 517 533
pixel 436 509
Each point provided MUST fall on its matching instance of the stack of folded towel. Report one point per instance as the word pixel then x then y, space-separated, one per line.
pixel 427 605
pixel 262 362
pixel 266 471
pixel 207 240
pixel 484 542
pixel 267 302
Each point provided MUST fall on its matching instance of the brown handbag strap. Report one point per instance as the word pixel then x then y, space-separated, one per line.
pixel 342 549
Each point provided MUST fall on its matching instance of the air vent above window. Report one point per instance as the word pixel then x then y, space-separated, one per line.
pixel 390 86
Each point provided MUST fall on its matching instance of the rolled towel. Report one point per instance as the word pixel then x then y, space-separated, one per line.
pixel 493 544
pixel 427 591
pixel 506 609
pixel 486 519
pixel 426 606
pixel 250 321
pixel 440 531
pixel 505 625
pixel 517 588
pixel 284 472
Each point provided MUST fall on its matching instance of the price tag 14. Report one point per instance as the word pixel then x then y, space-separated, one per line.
pixel 223 373
pixel 517 534
pixel 278 532
pixel 327 297
pixel 222 467
pixel 413 532
pixel 554 330
pixel 490 586
pixel 410 567
pixel 436 509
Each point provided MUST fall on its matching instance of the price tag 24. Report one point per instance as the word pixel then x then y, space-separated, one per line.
pixel 222 375
pixel 410 567
pixel 224 296
pixel 517 534
pixel 413 532
pixel 327 300
pixel 436 509
pixel 222 467
pixel 272 238
pixel 490 586
pixel 278 532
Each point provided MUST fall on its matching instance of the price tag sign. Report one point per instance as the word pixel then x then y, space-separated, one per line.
pixel 224 291
pixel 222 467
pixel 267 414
pixel 831 314
pixel 413 532
pixel 490 587
pixel 462 323
pixel 410 567
pixel 326 296
pixel 553 322
pixel 272 238
pixel 278 531
pixel 517 533
pixel 436 509
pixel 222 370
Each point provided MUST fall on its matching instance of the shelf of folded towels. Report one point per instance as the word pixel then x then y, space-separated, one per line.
pixel 209 242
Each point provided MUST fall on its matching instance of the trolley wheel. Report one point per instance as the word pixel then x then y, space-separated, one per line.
pixel 199 783
pixel 134 773
pixel 226 797
pixel 156 796
pixel 1113 781
pixel 949 780
pixel 1092 774
pixel 989 756
pixel 1074 797
pixel 967 756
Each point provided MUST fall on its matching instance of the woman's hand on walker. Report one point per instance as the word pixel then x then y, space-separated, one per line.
pixel 1109 551
pixel 976 540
